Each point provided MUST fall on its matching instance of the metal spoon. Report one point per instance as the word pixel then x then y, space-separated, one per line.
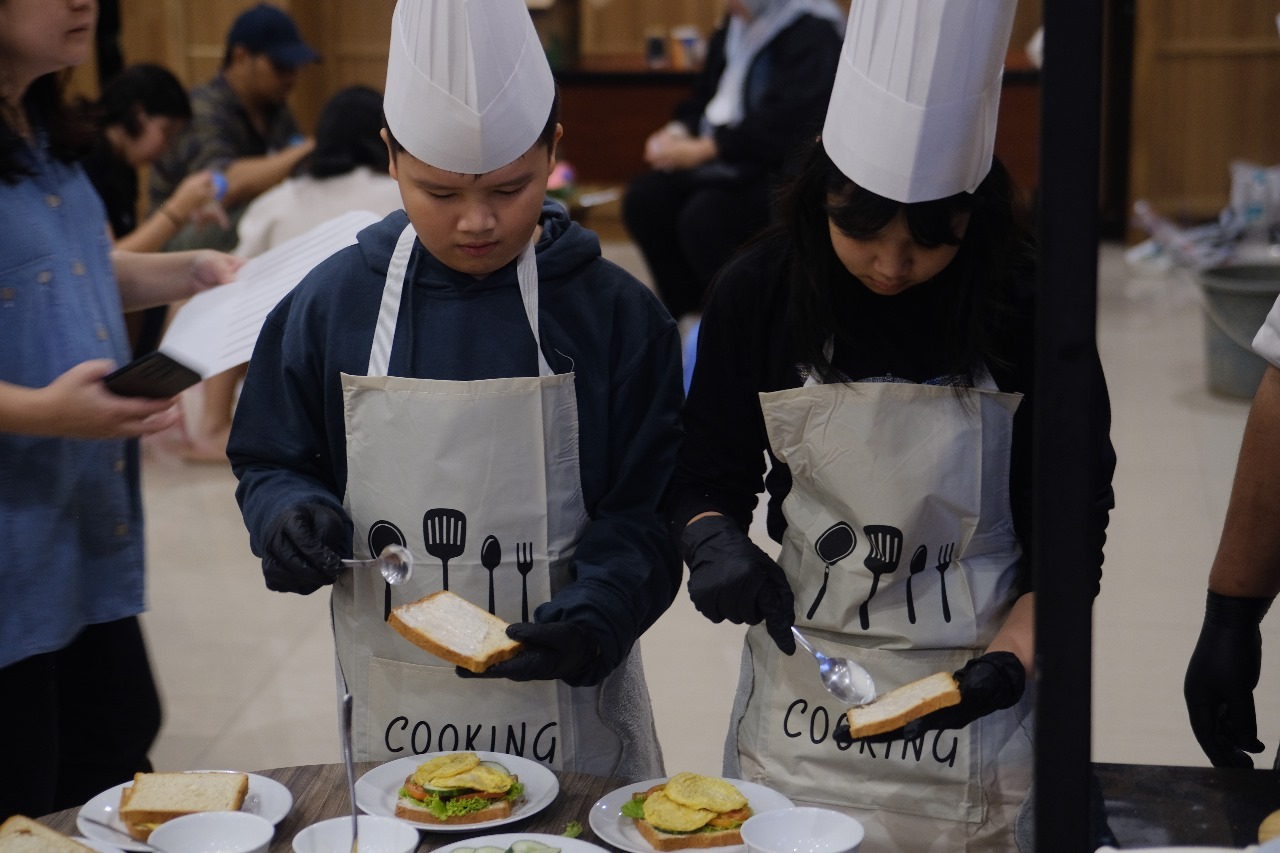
pixel 395 564
pixel 844 679
pixel 348 758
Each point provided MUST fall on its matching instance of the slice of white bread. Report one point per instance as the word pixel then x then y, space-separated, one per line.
pixel 410 810
pixel 898 707
pixel 154 798
pixel 660 840
pixel 450 627
pixel 21 834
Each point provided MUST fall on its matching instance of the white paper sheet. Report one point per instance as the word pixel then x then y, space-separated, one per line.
pixel 216 330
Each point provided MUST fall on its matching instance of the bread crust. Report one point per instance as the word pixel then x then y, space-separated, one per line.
pixel 664 841
pixel 497 811
pixel 19 832
pixel 913 701
pixel 431 644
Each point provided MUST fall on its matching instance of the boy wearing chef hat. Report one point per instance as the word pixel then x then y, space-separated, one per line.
pixel 474 382
pixel 877 344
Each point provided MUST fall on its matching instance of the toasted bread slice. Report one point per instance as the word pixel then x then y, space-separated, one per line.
pixel 21 834
pixel 660 840
pixel 450 627
pixel 898 707
pixel 154 798
pixel 409 810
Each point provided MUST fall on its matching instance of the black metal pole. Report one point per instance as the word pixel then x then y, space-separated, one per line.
pixel 1063 471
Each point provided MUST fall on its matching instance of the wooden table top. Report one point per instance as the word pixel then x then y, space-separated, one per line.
pixel 320 792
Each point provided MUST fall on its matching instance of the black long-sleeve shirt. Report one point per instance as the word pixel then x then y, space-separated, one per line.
pixel 743 350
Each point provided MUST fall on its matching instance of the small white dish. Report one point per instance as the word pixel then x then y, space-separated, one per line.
pixel 612 828
pixel 803 829
pixel 377 835
pixel 214 832
pixel 504 841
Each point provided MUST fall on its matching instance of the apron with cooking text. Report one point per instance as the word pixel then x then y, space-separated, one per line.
pixel 901 552
pixel 480 481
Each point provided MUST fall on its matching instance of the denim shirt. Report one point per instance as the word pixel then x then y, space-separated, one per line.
pixel 70 509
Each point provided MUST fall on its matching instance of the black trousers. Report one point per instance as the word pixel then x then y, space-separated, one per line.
pixel 76 721
pixel 686 229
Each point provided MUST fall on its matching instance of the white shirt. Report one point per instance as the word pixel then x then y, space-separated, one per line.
pixel 297 205
pixel 1267 342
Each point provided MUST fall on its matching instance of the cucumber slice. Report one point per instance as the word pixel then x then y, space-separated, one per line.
pixel 488 849
pixel 493 765
pixel 531 846
pixel 463 850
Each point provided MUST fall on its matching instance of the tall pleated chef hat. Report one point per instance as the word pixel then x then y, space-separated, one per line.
pixel 468 85
pixel 913 110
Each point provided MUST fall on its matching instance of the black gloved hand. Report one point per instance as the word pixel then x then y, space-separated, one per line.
pixel 992 682
pixel 552 650
pixel 731 578
pixel 1221 676
pixel 303 548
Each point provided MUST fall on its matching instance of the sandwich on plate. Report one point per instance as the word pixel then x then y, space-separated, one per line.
pixel 154 798
pixel 21 834
pixel 450 627
pixel 457 788
pixel 689 811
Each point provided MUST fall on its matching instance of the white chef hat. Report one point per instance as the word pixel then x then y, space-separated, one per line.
pixel 913 110
pixel 468 85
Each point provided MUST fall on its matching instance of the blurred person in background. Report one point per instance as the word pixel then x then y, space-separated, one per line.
pixel 80 708
pixel 763 89
pixel 346 171
pixel 1243 581
pixel 140 113
pixel 242 127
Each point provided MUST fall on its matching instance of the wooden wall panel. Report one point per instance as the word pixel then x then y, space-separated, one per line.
pixel 1206 88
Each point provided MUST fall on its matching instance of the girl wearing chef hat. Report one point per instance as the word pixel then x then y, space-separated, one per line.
pixel 877 345
pixel 474 382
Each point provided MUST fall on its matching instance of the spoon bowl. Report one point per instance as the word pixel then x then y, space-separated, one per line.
pixel 843 679
pixel 395 564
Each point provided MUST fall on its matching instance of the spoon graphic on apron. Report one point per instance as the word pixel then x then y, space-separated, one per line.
pixel 917 566
pixel 835 543
pixel 490 557
pixel 445 532
pixel 886 550
pixel 382 535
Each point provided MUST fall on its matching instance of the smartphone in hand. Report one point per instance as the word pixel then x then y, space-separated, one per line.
pixel 152 375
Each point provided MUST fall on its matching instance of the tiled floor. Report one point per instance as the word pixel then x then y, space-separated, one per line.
pixel 247 675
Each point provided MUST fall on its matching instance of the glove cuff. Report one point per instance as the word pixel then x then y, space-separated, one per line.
pixel 698 533
pixel 1235 611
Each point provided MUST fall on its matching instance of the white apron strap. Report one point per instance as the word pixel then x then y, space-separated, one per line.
pixel 393 289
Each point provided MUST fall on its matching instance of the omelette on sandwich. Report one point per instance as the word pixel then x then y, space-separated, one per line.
pixel 689 811
pixel 458 788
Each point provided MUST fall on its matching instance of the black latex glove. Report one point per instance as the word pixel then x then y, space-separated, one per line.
pixel 992 682
pixel 1221 676
pixel 731 578
pixel 552 650
pixel 303 548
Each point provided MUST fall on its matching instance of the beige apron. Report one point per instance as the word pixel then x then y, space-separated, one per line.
pixel 480 480
pixel 888 478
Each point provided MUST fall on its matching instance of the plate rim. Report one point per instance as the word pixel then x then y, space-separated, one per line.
pixel 530 808
pixel 89 830
pixel 608 831
pixel 508 837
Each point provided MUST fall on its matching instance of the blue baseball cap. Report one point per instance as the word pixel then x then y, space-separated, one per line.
pixel 269 30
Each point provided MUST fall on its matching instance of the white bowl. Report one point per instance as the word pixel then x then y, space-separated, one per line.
pixel 802 829
pixel 214 832
pixel 377 835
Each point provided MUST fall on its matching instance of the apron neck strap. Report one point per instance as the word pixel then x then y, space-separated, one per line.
pixel 393 289
pixel 982 378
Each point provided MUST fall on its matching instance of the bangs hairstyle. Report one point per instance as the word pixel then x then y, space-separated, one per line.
pixel 68 132
pixel 151 89
pixel 546 138
pixel 979 281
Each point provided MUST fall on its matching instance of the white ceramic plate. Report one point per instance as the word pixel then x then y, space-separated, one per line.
pixel 607 821
pixel 377 790
pixel 563 844
pixel 100 846
pixel 266 797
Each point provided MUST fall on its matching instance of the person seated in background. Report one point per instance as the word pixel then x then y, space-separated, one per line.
pixel 346 171
pixel 243 127
pixel 139 114
pixel 1243 582
pixel 763 89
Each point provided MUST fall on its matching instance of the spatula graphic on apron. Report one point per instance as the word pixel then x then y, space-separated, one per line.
pixel 445 533
pixel 835 543
pixel 886 550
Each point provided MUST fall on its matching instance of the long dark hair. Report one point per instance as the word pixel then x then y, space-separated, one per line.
pixel 69 134
pixel 347 135
pixel 152 88
pixel 980 279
